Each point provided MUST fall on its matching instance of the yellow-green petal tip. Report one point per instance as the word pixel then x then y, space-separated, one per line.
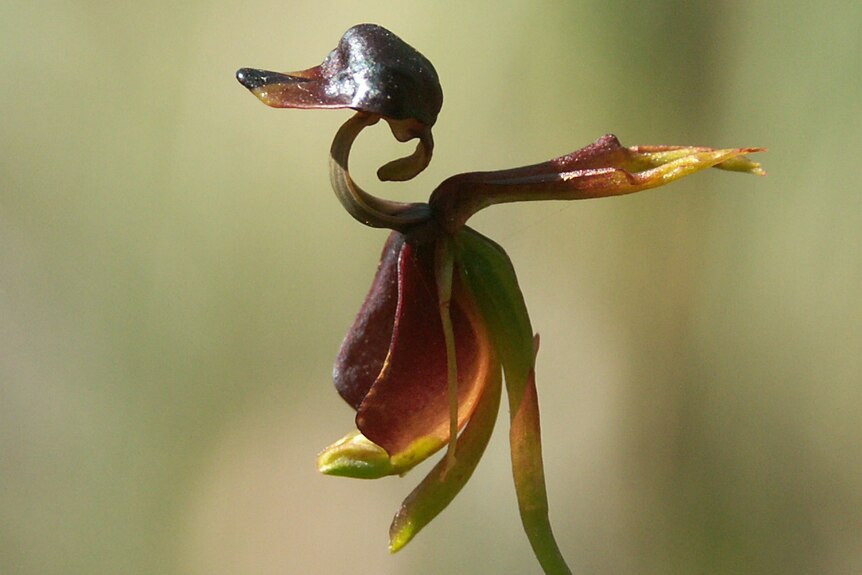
pixel 354 455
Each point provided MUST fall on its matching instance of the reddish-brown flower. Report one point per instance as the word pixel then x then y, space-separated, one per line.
pixel 445 317
pixel 393 366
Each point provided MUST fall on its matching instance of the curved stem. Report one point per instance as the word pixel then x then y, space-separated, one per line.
pixel 406 168
pixel 370 210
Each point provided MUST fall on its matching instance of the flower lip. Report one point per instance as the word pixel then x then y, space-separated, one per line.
pixel 253 79
pixel 303 89
pixel 385 75
pixel 371 70
pixel 379 75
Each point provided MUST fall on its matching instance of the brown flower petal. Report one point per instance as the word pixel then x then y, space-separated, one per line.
pixel 408 402
pixel 366 345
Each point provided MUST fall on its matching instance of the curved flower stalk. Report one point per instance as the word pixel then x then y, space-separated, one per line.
pixel 445 319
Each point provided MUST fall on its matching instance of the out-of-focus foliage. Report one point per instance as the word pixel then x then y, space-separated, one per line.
pixel 176 276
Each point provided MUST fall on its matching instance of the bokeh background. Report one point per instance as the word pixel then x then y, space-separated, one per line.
pixel 176 277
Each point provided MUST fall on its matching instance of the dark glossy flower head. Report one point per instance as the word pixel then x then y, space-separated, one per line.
pixel 445 317
pixel 372 71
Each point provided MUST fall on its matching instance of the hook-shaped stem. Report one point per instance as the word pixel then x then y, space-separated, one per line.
pixel 370 210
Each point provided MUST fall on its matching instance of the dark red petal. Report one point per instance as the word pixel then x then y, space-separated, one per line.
pixel 409 401
pixel 364 349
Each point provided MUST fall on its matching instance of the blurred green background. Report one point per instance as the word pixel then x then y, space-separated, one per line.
pixel 176 277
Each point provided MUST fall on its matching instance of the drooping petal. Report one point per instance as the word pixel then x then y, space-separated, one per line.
pixel 364 349
pixel 488 274
pixel 525 439
pixel 604 168
pixel 408 402
pixel 443 483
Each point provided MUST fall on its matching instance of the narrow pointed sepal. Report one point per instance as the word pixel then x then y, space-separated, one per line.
pixel 488 273
pixel 525 440
pixel 642 158
pixel 604 168
pixel 446 480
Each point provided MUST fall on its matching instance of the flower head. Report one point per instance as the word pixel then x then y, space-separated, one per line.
pixel 444 319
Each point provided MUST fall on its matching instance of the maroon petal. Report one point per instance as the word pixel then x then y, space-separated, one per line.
pixel 364 349
pixel 409 400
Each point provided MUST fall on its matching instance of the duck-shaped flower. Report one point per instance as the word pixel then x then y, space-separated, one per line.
pixel 422 364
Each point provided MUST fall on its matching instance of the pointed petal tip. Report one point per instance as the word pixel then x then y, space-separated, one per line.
pixel 354 456
pixel 250 78
pixel 401 537
pixel 741 163
pixel 302 89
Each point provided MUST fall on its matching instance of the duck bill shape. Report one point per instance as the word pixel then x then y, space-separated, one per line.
pixel 306 89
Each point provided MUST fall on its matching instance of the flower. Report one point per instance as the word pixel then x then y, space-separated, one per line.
pixel 444 319
pixel 393 369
